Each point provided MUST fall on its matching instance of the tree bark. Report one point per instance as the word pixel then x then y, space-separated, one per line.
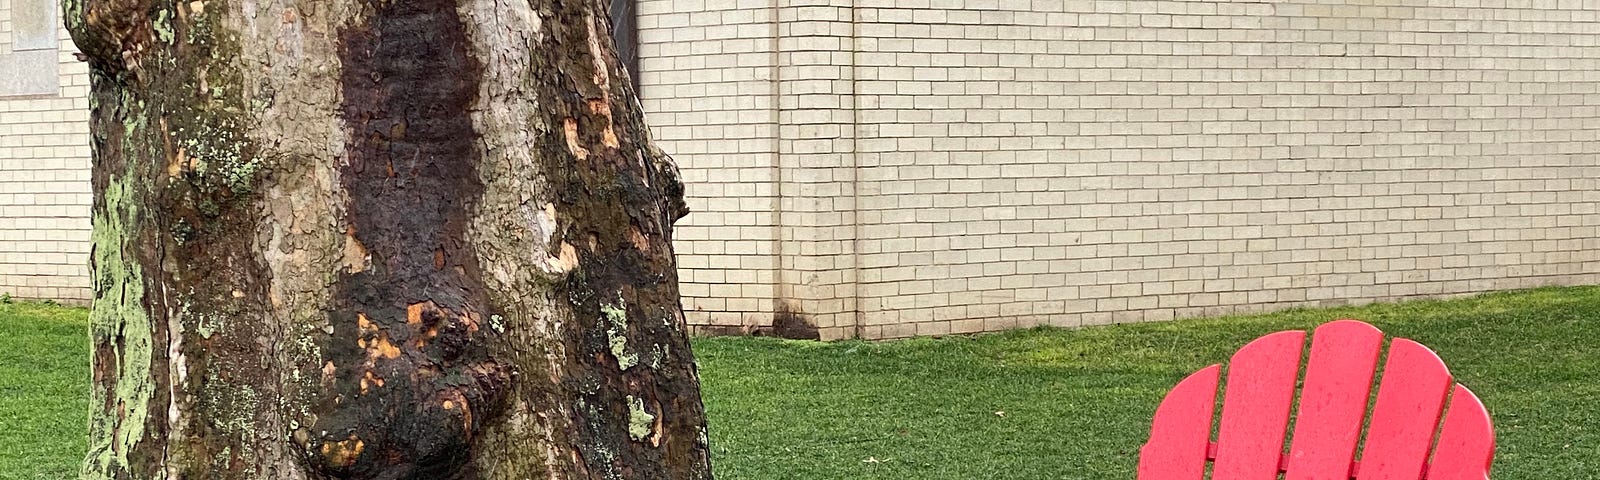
pixel 379 239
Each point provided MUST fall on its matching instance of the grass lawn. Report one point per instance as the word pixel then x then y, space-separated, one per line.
pixel 44 390
pixel 1036 404
pixel 1077 403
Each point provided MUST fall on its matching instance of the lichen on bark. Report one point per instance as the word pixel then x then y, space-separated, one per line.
pixel 120 330
pixel 640 422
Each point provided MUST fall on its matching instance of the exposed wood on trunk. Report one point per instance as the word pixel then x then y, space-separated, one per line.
pixel 380 240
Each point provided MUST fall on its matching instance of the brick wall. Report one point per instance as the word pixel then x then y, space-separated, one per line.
pixel 44 158
pixel 707 73
pixel 948 166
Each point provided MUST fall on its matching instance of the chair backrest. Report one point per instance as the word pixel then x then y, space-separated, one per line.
pixel 1405 439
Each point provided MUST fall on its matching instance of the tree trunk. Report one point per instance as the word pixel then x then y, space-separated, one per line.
pixel 379 239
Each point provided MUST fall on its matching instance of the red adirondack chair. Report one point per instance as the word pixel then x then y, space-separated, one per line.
pixel 1404 429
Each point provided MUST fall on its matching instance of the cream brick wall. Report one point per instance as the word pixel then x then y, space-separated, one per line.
pixel 707 80
pixel 44 182
pixel 950 166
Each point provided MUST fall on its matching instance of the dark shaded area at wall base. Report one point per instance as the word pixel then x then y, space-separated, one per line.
pixel 786 323
pixel 790 324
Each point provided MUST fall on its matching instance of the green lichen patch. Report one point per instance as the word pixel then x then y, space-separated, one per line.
pixel 617 334
pixel 163 26
pixel 207 125
pixel 207 327
pixel 235 408
pixel 222 159
pixel 660 352
pixel 640 421
pixel 118 323
pixel 240 175
pixel 73 10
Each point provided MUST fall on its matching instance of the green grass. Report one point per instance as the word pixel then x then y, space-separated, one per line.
pixel 44 390
pixel 1076 403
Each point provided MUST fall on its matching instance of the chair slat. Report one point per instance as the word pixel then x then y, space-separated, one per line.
pixel 1180 433
pixel 1410 399
pixel 1466 443
pixel 1255 407
pixel 1344 357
